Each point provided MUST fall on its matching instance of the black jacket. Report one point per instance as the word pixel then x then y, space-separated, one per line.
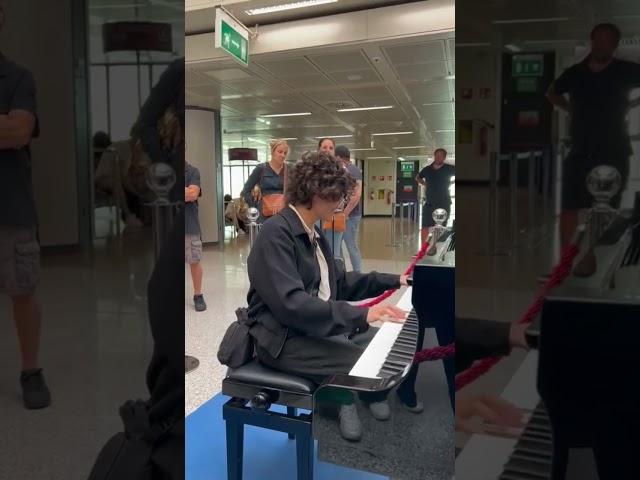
pixel 476 339
pixel 284 279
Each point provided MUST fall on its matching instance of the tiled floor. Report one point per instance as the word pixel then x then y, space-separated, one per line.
pixel 95 350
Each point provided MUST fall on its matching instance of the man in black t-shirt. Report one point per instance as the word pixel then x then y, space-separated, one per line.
pixel 19 247
pixel 437 179
pixel 598 89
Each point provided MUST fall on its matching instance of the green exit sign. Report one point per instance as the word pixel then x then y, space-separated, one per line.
pixel 407 166
pixel 527 65
pixel 232 37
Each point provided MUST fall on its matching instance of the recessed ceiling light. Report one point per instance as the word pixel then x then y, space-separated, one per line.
pixel 444 131
pixel 391 133
pixel 530 20
pixel 231 97
pixel 359 109
pixel 377 158
pixel 298 114
pixel 287 6
pixel 401 158
pixel 256 140
pixel 335 136
pixel 512 48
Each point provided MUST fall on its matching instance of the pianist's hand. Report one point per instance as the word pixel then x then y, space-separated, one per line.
pixel 403 280
pixel 386 313
pixel 488 414
pixel 517 338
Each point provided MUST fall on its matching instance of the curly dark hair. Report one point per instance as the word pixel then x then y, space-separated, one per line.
pixel 318 174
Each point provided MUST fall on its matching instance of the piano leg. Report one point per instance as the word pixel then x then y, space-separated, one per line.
pixel 445 334
pixel 560 458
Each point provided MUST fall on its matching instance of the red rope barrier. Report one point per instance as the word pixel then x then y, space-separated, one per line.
pixel 558 274
pixel 437 353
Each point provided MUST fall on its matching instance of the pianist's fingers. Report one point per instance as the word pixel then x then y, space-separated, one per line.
pixel 503 416
pixel 396 314
pixel 386 313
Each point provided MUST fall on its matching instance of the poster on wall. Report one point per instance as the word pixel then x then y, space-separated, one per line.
pixel 381 194
pixel 465 132
pixel 485 93
pixel 389 177
pixel 407 188
pixel 381 178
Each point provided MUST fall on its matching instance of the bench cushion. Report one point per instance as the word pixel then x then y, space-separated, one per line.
pixel 254 373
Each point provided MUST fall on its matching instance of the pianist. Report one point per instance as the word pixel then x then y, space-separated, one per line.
pixel 299 294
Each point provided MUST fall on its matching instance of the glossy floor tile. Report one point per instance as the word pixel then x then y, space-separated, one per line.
pixel 95 350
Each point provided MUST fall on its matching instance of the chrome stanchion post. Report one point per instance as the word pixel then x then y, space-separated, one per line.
pixel 161 178
pixel 252 215
pixel 513 172
pixel 531 193
pixel 439 217
pixel 493 201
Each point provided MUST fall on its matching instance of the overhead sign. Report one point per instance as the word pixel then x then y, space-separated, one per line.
pixel 232 37
pixel 132 36
pixel 527 65
pixel 243 154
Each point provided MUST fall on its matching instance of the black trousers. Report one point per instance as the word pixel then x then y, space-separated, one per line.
pixel 318 358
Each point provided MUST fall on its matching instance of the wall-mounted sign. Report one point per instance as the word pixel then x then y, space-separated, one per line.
pixel 485 93
pixel 136 36
pixel 243 154
pixel 531 65
pixel 232 37
pixel 530 118
pixel 407 188
pixel 381 178
pixel 467 93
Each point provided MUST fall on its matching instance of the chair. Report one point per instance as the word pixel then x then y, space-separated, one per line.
pixel 253 389
pixel 234 219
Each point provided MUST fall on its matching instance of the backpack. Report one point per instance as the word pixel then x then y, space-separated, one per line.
pixel 237 346
pixel 129 455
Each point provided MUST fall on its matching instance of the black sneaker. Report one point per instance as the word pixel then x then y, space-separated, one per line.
pixel 35 393
pixel 198 300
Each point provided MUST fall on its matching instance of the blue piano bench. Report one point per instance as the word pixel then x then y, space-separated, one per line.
pixel 253 389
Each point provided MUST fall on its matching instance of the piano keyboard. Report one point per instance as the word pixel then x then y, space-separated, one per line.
pixel 485 456
pixel 392 349
pixel 531 457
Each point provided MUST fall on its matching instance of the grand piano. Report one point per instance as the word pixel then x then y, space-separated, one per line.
pixel 579 379
pixel 408 446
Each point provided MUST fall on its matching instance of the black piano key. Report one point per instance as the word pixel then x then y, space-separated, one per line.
pixel 389 363
pixel 398 357
pixel 388 371
pixel 403 349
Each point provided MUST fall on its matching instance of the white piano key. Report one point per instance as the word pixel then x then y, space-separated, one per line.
pixel 521 391
pixel 372 359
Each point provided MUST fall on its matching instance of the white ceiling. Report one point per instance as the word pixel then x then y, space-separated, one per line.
pixel 561 23
pixel 409 72
pixel 199 19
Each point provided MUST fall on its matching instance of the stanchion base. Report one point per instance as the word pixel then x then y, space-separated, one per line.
pixel 190 363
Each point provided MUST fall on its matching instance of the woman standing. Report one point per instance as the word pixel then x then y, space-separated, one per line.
pixel 265 186
pixel 333 228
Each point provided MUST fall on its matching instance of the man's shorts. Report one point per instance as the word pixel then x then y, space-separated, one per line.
pixel 192 249
pixel 576 168
pixel 19 260
pixel 427 214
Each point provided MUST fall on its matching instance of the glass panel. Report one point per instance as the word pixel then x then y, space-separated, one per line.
pixel 124 100
pixel 98 86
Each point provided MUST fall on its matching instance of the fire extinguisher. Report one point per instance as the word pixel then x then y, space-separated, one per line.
pixel 389 196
